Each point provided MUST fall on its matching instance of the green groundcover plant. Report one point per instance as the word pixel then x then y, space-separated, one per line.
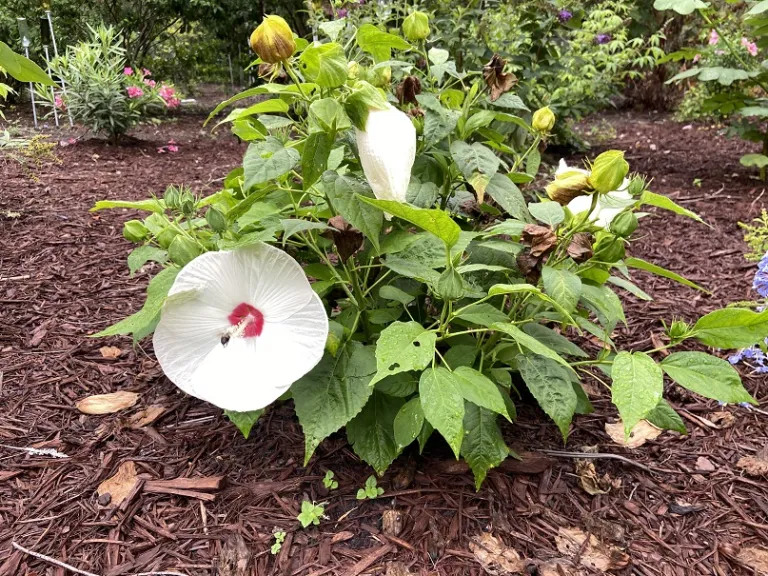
pixel 375 260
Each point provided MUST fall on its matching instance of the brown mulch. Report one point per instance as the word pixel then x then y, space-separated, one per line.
pixel 207 501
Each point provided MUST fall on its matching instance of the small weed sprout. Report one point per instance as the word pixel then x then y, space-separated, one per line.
pixel 279 539
pixel 371 489
pixel 311 513
pixel 329 482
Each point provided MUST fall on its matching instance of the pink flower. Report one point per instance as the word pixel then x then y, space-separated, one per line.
pixel 72 141
pixel 161 150
pixel 719 52
pixel 750 46
pixel 150 83
pixel 59 103
pixel 714 37
pixel 173 148
pixel 147 72
pixel 696 58
pixel 166 92
pixel 134 92
pixel 172 102
pixel 171 141
pixel 128 71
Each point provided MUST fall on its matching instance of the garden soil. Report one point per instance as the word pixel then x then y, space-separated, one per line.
pixel 189 495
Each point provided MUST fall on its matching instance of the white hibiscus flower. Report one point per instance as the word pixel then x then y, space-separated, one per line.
pixel 240 327
pixel 387 150
pixel 608 205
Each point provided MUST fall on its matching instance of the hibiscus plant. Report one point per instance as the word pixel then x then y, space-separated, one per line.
pixel 375 260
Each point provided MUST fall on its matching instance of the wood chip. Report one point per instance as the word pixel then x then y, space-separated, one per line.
pixel 704 465
pixel 640 434
pixel 107 403
pixel 494 556
pixel 755 558
pixel 120 485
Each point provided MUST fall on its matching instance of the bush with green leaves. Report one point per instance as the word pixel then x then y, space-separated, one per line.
pixel 729 66
pixel 102 92
pixel 375 261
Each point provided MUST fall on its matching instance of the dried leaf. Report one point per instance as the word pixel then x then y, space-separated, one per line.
pixel 347 238
pixel 591 482
pixel 722 419
pixel 753 465
pixel 558 567
pixel 392 522
pixel 119 485
pixel 640 434
pixel 496 79
pixel 408 89
pixel 107 403
pixel 541 239
pixel 494 556
pixel 234 557
pixel 755 558
pixel 591 553
pixel 397 569
pixel 580 248
pixel 146 416
pixel 111 352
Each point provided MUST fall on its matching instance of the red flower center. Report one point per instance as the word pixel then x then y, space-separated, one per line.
pixel 253 318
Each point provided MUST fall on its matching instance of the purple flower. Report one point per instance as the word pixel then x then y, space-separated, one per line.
pixel 602 38
pixel 564 15
pixel 341 13
pixel 760 284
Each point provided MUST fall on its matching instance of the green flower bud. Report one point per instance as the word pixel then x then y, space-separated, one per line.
pixel 187 203
pixel 450 286
pixel 135 231
pixel 166 237
pixel 216 220
pixel 183 250
pixel 172 197
pixel 381 76
pixel 273 40
pixel 568 186
pixel 637 186
pixel 608 171
pixel 609 249
pixel 353 69
pixel 678 331
pixel 624 224
pixel 543 120
pixel 416 26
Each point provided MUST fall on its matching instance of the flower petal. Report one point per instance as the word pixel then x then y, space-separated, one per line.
pixel 279 286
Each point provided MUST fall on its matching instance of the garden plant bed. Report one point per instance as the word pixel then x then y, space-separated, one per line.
pixel 208 498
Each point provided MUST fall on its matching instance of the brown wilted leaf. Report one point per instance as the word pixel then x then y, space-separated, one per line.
pixel 111 352
pixel 558 567
pixel 496 79
pixel 234 557
pixel 591 553
pixel 753 465
pixel 723 419
pixel 107 403
pixel 541 239
pixel 408 89
pixel 347 238
pixel 397 569
pixel 755 558
pixel 120 485
pixel 590 481
pixel 580 248
pixel 640 434
pixel 146 416
pixel 392 522
pixel 529 265
pixel 494 556
pixel 704 465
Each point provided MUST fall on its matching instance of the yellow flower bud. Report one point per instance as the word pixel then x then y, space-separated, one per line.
pixel 416 26
pixel 568 186
pixel 543 120
pixel 273 40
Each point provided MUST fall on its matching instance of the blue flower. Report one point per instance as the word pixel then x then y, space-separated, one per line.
pixel 564 15
pixel 736 358
pixel 760 283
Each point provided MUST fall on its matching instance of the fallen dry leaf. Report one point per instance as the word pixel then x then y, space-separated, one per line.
pixel 494 556
pixel 722 419
pixel 119 485
pixel 397 569
pixel 111 352
pixel 107 403
pixel 640 434
pixel 592 554
pixel 590 481
pixel 146 416
pixel 753 465
pixel 234 557
pixel 558 567
pixel 392 522
pixel 755 558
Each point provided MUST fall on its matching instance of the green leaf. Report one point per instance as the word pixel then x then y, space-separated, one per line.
pixel 605 304
pixel 143 254
pixel 482 314
pixel 706 375
pixel 372 433
pixel 327 115
pixel 732 328
pixel 157 291
pixel 680 6
pixel 394 293
pixel 436 222
pixel 439 122
pixel 638 383
pixel 285 91
pixel 268 160
pixel 148 205
pixel 264 107
pixel 244 420
pixel 477 163
pixel 755 160
pixel 332 28
pixel 483 447
pixel 294 226
pixel 414 270
pixel 659 271
pixel 479 390
pixel 400 385
pixel 553 340
pixel 443 405
pixel 333 393
pixel 551 385
pixel 530 289
pixel 379 44
pixel 21 68
pixel 665 417
pixel 324 64
pixel 757 8
pixel 533 162
pixel 408 422
pixel 363 98
pixel 438 55
pixel 583 405
pixel 629 287
pixel 550 213
pixel 511 102
pixel 422 194
pixel 314 159
pixel 403 346
pixel 531 343
pixel 563 286
pixel 345 193
pixel 508 196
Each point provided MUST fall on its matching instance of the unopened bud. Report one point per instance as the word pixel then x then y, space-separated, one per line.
pixel 135 231
pixel 273 40
pixel 172 198
pixel 216 220
pixel 183 250
pixel 624 224
pixel 450 286
pixel 608 171
pixel 543 120
pixel 568 186
pixel 637 186
pixel 353 69
pixel 416 26
pixel 381 76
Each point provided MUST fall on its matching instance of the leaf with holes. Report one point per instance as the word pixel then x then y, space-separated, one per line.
pixel 403 346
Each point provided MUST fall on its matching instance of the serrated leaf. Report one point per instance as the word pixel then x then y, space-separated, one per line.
pixel 732 328
pixel 268 160
pixel 508 196
pixel 605 304
pixel 345 193
pixel 422 194
pixel 314 159
pixel 562 286
pixel 707 376
pixel 379 44
pixel 437 222
pixel 244 421
pixel 510 101
pixel 479 390
pixel 551 385
pixel 533 162
pixel 324 64
pixel 483 447
pixel 372 434
pixel 408 422
pixel 333 393
pixel 443 405
pixel 638 383
pixel 403 346
pixel 553 340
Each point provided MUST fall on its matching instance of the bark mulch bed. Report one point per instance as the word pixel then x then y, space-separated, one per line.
pixel 208 501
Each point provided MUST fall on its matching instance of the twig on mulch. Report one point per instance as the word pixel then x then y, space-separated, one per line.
pixel 71 568
pixel 609 456
pixel 36 451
